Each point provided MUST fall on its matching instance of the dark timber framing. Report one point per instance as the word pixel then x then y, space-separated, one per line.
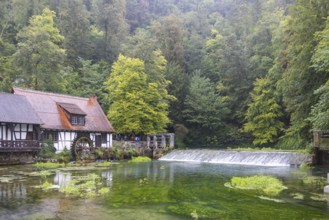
pixel 19 126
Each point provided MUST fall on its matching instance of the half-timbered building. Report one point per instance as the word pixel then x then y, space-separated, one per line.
pixel 19 129
pixel 19 124
pixel 65 119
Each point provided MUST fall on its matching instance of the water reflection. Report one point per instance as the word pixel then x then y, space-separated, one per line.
pixel 62 178
pixel 12 191
pixel 108 176
pixel 158 185
pixel 18 188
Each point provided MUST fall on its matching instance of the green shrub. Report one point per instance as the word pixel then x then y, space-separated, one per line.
pixel 65 156
pixel 291 142
pixel 121 150
pixel 47 149
pixel 132 152
pixel 100 154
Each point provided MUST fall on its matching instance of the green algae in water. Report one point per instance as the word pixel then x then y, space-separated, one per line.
pixel 315 181
pixel 138 192
pixel 48 165
pixel 140 159
pixel 180 191
pixel 270 199
pixel 10 178
pixel 319 197
pixel 268 185
pixel 299 196
pixel 85 187
pixel 106 164
pixel 197 210
pixel 47 186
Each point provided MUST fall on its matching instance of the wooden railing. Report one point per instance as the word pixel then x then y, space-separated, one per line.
pixel 19 146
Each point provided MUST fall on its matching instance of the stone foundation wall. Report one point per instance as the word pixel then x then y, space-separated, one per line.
pixel 9 158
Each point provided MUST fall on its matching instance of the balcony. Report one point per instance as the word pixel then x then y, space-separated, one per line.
pixel 19 146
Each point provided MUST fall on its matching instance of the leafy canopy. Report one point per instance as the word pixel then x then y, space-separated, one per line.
pixel 204 107
pixel 137 106
pixel 39 56
pixel 263 114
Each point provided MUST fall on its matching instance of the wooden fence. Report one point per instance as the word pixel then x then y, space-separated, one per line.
pixel 19 146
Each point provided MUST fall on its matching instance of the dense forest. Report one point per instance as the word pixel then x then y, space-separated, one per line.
pixel 218 73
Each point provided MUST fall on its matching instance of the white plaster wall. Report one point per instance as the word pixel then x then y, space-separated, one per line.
pixel 8 135
pixel 17 134
pixel 23 135
pixel 67 138
pixel 92 137
pixel 24 127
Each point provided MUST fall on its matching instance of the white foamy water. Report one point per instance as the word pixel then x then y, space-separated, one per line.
pixel 256 158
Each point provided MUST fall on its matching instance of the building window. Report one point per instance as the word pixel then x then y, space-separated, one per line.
pixel 104 138
pixel 50 135
pixel 77 120
pixel 74 120
pixel 81 120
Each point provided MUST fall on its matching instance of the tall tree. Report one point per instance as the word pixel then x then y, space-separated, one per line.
pixel 138 14
pixel 205 109
pixel 39 56
pixel 320 58
pixel 177 88
pixel 263 114
pixel 137 106
pixel 319 116
pixel 170 36
pixel 226 62
pixel 299 79
pixel 74 24
pixel 88 81
pixel 109 16
pixel 141 45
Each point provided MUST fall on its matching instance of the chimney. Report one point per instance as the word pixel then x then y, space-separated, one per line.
pixel 93 99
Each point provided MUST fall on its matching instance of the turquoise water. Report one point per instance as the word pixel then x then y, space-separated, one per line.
pixel 163 190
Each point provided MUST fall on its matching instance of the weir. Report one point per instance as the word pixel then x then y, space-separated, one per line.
pixel 256 158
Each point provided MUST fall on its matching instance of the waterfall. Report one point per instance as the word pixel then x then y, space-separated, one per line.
pixel 257 158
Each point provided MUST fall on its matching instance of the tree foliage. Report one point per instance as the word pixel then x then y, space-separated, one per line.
pixel 137 106
pixel 72 46
pixel 320 111
pixel 263 114
pixel 39 57
pixel 205 109
pixel 299 79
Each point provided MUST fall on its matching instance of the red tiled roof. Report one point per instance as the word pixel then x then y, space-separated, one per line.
pixel 52 116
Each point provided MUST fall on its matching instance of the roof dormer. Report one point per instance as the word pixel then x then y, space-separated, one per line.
pixel 74 114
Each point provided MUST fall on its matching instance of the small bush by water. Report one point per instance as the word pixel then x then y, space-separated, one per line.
pixel 268 185
pixel 47 149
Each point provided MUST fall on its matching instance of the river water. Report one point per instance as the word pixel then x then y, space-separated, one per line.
pixel 162 190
